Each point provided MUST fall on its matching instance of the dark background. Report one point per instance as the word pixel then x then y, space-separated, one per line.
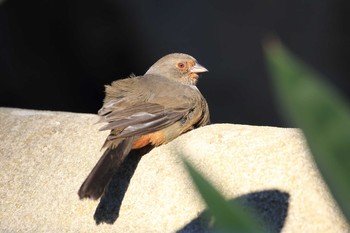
pixel 58 54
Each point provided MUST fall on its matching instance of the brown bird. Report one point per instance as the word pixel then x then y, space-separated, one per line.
pixel 152 109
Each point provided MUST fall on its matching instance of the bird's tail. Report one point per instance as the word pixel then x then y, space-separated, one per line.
pixel 95 183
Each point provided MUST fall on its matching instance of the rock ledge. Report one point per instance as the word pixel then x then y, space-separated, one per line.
pixel 45 156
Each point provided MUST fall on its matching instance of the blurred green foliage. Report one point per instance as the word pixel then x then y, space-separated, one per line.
pixel 228 217
pixel 324 117
pixel 320 112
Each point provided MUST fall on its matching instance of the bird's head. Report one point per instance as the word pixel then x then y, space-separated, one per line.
pixel 178 66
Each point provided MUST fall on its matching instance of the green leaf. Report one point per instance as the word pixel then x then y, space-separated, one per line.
pixel 320 112
pixel 229 217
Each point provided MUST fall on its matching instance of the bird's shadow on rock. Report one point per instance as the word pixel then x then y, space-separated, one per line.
pixel 270 207
pixel 108 209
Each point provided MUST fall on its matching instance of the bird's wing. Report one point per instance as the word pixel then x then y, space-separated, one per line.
pixel 142 118
pixel 141 112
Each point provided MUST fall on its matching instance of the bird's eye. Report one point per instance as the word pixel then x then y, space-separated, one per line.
pixel 180 65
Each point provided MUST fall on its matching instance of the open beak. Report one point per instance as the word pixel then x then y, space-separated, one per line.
pixel 198 69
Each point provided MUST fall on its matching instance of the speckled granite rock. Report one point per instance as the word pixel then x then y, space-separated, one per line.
pixel 45 156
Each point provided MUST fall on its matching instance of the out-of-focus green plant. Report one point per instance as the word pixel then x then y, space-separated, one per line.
pixel 228 217
pixel 320 112
pixel 324 117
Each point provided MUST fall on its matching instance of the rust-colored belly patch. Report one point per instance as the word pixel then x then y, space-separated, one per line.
pixel 155 139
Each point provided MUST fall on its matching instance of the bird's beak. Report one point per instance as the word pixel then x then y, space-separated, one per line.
pixel 198 69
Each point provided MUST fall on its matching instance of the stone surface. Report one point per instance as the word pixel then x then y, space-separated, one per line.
pixel 45 156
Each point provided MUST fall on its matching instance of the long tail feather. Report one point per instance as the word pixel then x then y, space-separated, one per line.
pixel 95 183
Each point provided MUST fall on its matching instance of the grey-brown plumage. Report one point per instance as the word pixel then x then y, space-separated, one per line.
pixel 152 109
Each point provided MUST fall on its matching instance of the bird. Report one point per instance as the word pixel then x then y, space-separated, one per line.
pixel 147 110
